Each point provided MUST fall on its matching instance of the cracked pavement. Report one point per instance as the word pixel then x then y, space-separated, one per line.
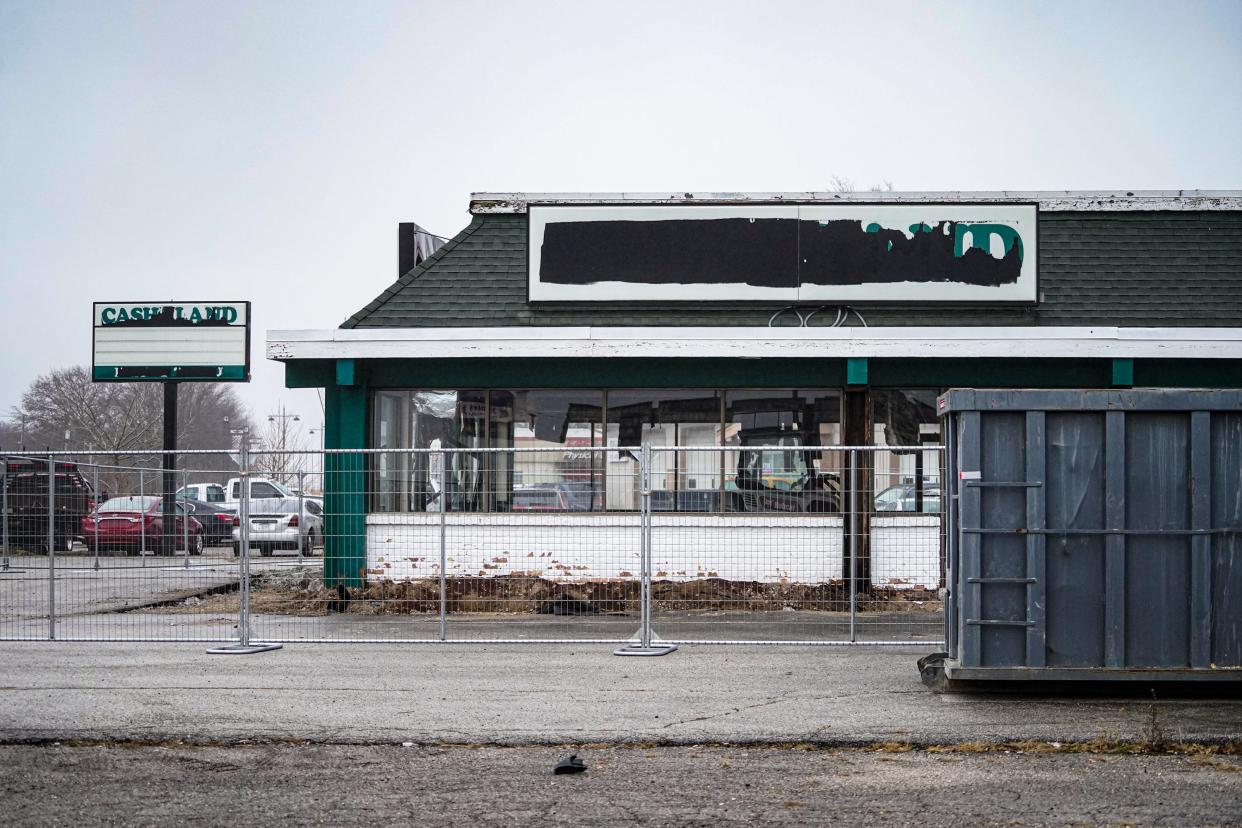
pixel 543 694
pixel 694 786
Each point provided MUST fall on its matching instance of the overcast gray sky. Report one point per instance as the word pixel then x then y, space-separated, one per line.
pixel 267 150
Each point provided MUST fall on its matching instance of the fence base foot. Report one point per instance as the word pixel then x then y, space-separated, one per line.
pixel 640 650
pixel 655 646
pixel 246 649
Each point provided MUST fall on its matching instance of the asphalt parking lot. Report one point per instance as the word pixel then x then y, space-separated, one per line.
pixel 128 732
pixel 94 594
pixel 542 693
pixel 98 733
pixel 696 786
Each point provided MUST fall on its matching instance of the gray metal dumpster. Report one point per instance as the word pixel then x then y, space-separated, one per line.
pixel 1093 536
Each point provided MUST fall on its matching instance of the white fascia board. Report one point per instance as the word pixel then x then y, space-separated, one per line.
pixel 754 343
pixel 1048 200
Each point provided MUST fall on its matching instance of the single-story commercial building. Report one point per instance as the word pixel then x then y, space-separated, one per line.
pixel 601 322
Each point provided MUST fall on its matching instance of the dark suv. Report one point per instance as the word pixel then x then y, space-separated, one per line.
pixel 25 494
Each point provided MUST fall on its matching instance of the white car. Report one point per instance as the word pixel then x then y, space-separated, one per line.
pixel 276 524
pixel 204 492
pixel 263 488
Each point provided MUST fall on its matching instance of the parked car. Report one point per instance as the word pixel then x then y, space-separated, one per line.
pixel 580 496
pixel 216 519
pixel 25 492
pixel 202 492
pixel 124 523
pixel 264 488
pixel 904 498
pixel 537 497
pixel 278 525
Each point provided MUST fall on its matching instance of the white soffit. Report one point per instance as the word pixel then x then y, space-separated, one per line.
pixel 764 342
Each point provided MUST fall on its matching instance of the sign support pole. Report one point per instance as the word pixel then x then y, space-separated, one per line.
pixel 168 537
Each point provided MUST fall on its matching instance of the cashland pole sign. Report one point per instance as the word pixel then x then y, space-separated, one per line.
pixel 170 343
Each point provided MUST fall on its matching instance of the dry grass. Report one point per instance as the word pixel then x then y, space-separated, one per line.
pixel 1100 744
pixel 299 592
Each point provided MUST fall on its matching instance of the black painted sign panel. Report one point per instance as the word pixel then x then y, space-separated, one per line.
pixel 815 253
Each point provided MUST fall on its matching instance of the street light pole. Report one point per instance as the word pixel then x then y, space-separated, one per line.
pixel 282 443
pixel 322 443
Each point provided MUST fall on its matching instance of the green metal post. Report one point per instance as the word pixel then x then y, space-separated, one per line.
pixel 345 479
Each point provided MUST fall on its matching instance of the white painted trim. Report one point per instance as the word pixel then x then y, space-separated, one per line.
pixel 1048 200
pixel 756 342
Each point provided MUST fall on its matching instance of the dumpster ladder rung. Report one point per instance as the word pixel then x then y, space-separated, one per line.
pixel 999 484
pixel 996 622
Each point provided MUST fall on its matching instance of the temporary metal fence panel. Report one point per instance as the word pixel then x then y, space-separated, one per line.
pixel 547 543
pixel 443 545
pixel 105 568
pixel 1095 534
pixel 814 545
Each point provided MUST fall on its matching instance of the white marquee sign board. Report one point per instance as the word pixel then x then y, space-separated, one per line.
pixel 171 341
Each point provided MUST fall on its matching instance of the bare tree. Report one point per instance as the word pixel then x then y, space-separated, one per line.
pixel 283 434
pixel 841 184
pixel 124 418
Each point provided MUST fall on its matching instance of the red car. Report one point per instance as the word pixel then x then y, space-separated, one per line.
pixel 124 522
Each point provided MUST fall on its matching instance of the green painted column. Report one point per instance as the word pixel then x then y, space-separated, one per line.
pixel 345 485
pixel 1123 372
pixel 856 371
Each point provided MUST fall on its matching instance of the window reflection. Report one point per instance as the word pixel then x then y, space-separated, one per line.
pixel 391 471
pixel 568 480
pixel 795 478
pixel 447 419
pixel 906 480
pixel 775 458
pixel 680 481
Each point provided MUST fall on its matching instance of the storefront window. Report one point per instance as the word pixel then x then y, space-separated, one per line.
pixel 571 479
pixel 451 419
pixel 429 420
pixel 799 477
pixel 778 450
pixel 391 471
pixel 680 481
pixel 906 479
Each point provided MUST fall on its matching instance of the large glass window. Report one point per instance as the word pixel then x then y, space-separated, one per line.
pixel 680 481
pixel 392 472
pixel 429 420
pixel 797 472
pixel 907 479
pixel 798 477
pixel 570 478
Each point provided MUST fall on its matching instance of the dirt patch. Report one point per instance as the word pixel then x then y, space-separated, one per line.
pixel 302 592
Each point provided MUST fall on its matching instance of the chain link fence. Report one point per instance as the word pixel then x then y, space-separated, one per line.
pixel 781 544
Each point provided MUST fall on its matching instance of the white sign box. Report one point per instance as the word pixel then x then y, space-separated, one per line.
pixel 821 253
pixel 171 341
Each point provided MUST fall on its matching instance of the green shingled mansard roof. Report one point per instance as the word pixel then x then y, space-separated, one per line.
pixel 1124 268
